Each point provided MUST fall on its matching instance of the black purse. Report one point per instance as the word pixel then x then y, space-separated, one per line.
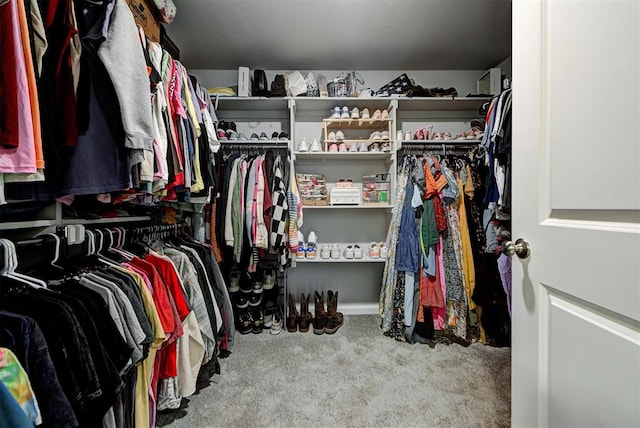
pixel 260 88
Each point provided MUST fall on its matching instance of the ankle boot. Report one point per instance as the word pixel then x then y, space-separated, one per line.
pixel 321 316
pixel 292 319
pixel 335 319
pixel 305 316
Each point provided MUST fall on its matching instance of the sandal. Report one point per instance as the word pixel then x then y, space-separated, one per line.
pixel 423 133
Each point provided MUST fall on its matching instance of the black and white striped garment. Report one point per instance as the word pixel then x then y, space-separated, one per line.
pixel 278 235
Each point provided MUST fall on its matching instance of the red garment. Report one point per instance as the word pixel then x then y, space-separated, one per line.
pixel 57 70
pixel 9 88
pixel 168 313
pixel 168 272
pixel 438 210
pixel 160 298
pixel 431 290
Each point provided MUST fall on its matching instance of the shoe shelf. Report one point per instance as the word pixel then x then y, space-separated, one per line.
pixel 441 103
pixel 358 123
pixel 349 207
pixel 343 155
pixel 249 103
pixel 314 104
pixel 365 259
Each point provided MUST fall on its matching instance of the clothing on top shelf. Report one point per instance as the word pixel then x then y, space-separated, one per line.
pixel 110 343
pixel 107 97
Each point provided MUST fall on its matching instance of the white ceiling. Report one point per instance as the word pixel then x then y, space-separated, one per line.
pixel 342 34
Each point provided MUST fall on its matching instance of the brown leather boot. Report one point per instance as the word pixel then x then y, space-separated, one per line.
pixel 321 316
pixel 305 316
pixel 335 319
pixel 292 319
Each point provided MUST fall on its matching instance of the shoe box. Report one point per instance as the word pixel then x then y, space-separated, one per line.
pixel 375 188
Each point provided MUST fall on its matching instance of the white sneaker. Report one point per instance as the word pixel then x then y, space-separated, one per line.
pixel 325 252
pixel 335 113
pixel 276 325
pixel 399 135
pixel 345 113
pixel 365 114
pixel 335 251
pixel 313 238
pixel 375 135
pixel 269 281
pixel 234 283
pixel 355 113
pixel 303 146
pixel 315 146
pixel 331 136
pixel 384 135
pixel 339 135
pixel 358 253
pixel 348 252
pixel 384 250
pixel 374 251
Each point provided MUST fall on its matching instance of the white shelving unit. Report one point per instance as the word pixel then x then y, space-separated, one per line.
pixel 357 280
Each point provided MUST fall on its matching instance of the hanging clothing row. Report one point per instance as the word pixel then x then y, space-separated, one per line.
pixel 122 329
pixel 258 208
pixel 438 282
pixel 84 86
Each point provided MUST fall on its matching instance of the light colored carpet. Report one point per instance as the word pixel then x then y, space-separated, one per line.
pixel 354 378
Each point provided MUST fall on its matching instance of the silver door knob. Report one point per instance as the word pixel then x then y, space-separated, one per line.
pixel 521 248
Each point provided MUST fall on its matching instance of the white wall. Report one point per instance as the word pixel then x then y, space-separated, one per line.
pixel 463 80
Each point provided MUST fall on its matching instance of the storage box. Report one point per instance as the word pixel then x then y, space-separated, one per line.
pixel 244 82
pixel 344 196
pixel 143 15
pixel 313 189
pixel 375 189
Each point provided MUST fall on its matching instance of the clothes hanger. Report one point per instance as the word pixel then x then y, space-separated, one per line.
pixel 13 265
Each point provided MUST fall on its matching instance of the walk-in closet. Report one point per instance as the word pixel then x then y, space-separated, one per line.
pixel 341 213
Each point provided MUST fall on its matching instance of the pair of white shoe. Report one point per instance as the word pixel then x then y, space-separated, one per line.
pixel 333 251
pixel 304 146
pixel 307 250
pixel 378 250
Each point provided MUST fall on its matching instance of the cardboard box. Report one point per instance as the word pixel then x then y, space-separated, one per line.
pixel 143 13
pixel 244 82
pixel 375 189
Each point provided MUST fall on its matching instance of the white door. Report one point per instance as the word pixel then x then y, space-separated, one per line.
pixel 576 199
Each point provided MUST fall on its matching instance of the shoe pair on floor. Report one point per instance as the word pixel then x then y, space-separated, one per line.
pixel 327 320
pixel 255 321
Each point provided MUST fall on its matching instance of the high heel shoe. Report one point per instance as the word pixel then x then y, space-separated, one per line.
pixel 305 318
pixel 292 319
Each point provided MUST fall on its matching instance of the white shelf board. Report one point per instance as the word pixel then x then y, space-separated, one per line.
pixel 365 259
pixel 441 103
pixel 105 220
pixel 342 207
pixel 343 155
pixel 16 225
pixel 251 103
pixel 342 259
pixel 328 103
